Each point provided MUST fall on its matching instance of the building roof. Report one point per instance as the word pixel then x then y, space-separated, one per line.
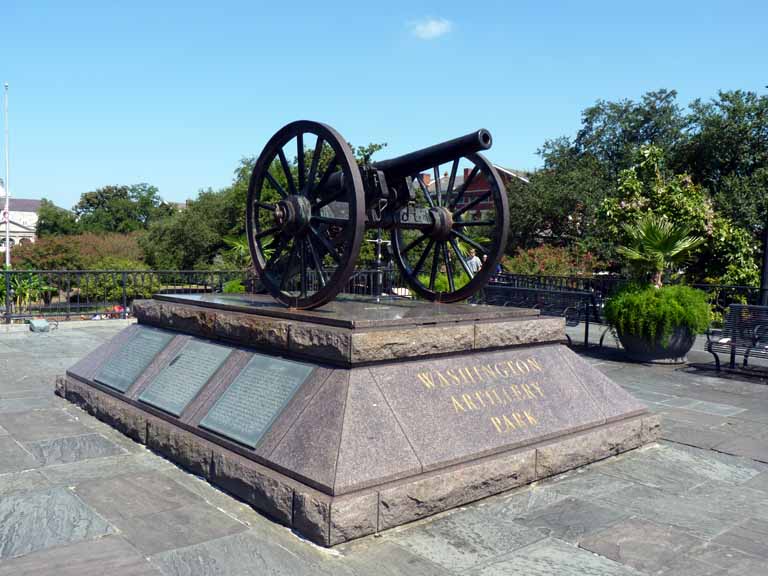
pixel 22 204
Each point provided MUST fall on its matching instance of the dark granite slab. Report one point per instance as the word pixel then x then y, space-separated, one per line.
pixel 353 312
pixel 455 408
pixel 179 382
pixel 248 407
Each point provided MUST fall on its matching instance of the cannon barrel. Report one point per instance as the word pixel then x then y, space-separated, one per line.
pixel 420 160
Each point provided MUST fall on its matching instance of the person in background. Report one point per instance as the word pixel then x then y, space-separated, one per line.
pixel 474 264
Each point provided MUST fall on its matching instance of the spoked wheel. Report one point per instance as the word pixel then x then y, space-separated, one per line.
pixel 305 214
pixel 456 255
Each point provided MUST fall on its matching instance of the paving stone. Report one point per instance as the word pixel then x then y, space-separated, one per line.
pixel 750 536
pixel 27 481
pixel 461 539
pixel 641 544
pixel 14 457
pixel 691 566
pixel 676 470
pixel 12 405
pixel 75 473
pixel 759 482
pixel 584 483
pixel 572 519
pixel 248 554
pixel 684 433
pixel 728 558
pixel 110 555
pixel 73 449
pixel 754 448
pixel 42 425
pixel 39 520
pixel 177 528
pixel 129 496
pixel 554 557
pixel 385 558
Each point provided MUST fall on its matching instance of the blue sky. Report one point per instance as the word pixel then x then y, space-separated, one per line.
pixel 175 93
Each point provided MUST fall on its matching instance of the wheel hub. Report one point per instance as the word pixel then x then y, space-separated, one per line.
pixel 442 223
pixel 292 214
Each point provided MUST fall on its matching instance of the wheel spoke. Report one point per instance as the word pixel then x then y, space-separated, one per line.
pixel 462 260
pixel 287 270
pixel 464 186
pixel 265 206
pixel 462 224
pixel 423 257
pixel 448 268
pixel 326 244
pixel 267 232
pixel 452 178
pixel 435 260
pixel 300 159
pixel 279 243
pixel 324 178
pixel 424 190
pixel 469 241
pixel 303 268
pixel 317 261
pixel 287 171
pixel 472 204
pixel 412 245
pixel 313 165
pixel 436 172
pixel 276 184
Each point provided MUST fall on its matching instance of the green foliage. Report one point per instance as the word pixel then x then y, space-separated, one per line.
pixel 28 288
pixel 121 208
pixel 234 287
pixel 48 253
pixel 551 261
pixel 55 221
pixel 109 287
pixel 653 313
pixel 656 245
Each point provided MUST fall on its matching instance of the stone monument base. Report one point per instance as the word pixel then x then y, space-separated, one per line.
pixel 359 416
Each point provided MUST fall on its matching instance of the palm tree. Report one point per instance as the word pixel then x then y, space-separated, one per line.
pixel 656 245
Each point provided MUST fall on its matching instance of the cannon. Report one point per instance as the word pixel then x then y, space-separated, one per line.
pixel 309 205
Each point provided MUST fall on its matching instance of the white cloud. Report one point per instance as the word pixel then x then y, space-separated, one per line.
pixel 430 28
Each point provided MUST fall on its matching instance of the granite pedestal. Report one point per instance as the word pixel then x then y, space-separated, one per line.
pixel 361 415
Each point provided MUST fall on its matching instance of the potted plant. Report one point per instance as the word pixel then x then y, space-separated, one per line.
pixel 657 323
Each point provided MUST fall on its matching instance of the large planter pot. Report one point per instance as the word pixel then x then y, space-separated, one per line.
pixel 673 352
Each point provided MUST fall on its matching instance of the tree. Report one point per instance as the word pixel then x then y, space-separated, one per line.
pixel 55 221
pixel 656 245
pixel 121 208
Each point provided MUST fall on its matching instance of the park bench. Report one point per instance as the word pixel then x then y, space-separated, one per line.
pixel 575 306
pixel 744 333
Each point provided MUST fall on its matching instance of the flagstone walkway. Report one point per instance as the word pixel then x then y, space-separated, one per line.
pixel 78 498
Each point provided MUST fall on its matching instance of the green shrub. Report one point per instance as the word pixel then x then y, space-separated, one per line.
pixel 108 287
pixel 653 313
pixel 234 287
pixel 551 261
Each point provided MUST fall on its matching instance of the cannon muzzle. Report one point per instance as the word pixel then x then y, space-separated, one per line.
pixel 420 160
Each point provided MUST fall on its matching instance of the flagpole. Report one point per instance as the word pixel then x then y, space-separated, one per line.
pixel 7 187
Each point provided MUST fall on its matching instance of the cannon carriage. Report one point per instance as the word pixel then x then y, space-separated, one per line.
pixel 306 217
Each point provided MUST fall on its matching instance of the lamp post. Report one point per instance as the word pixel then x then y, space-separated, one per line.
pixel 7 209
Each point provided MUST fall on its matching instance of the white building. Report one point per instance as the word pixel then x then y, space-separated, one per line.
pixel 23 216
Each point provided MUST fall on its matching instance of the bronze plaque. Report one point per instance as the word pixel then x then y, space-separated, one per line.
pixel 123 368
pixel 249 406
pixel 179 382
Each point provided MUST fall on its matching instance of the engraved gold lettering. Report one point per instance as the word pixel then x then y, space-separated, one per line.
pixel 522 367
pixel 468 402
pixel 490 397
pixel 466 374
pixel 452 375
pixel 515 391
pixel 443 380
pixel 501 370
pixel 533 363
pixel 486 368
pixel 512 368
pixel 518 420
pixel 496 394
pixel 479 397
pixel 530 418
pixel 496 423
pixel 457 405
pixel 426 379
pixel 527 391
pixel 538 389
pixel 508 422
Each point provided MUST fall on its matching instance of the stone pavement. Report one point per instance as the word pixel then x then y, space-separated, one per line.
pixel 76 497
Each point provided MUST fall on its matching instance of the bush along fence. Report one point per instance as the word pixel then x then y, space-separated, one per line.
pixel 87 294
